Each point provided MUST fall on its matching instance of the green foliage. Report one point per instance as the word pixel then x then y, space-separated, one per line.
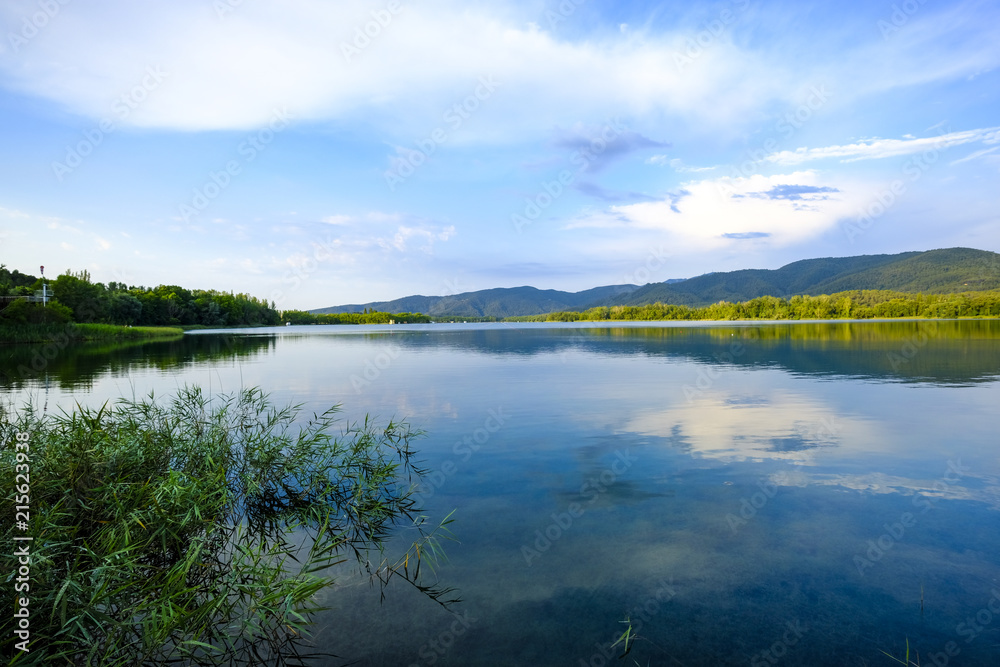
pixel 14 282
pixel 84 298
pixel 367 317
pixel 24 312
pixel 115 303
pixel 858 304
pixel 944 271
pixel 203 531
pixel 951 270
pixel 123 308
pixel 67 332
pixel 490 305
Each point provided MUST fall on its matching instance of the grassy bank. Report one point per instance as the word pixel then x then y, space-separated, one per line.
pixel 43 333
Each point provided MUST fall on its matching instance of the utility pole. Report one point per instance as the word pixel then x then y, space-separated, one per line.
pixel 45 296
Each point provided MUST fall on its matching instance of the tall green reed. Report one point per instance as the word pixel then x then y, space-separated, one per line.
pixel 202 531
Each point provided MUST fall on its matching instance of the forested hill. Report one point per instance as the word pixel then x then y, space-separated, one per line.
pixel 498 302
pixel 944 271
pixel 933 272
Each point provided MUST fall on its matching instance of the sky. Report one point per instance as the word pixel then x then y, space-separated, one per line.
pixel 322 153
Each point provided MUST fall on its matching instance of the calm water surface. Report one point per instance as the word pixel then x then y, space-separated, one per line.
pixel 752 494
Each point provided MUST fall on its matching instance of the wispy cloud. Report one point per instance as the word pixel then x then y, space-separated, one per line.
pixel 975 155
pixel 676 164
pixel 232 73
pixel 746 235
pixel 874 149
pixel 337 219
pixel 425 238
pixel 743 103
pixel 598 192
pixel 793 193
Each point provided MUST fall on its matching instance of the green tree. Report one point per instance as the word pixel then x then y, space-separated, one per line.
pixel 24 312
pixel 123 308
pixel 86 300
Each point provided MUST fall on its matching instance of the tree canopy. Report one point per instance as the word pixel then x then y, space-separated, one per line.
pixel 76 298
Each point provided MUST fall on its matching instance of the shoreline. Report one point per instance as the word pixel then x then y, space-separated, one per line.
pixel 26 334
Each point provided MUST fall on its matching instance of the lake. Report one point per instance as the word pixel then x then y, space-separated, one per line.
pixel 744 493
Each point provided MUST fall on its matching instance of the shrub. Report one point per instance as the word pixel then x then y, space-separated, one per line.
pixel 24 312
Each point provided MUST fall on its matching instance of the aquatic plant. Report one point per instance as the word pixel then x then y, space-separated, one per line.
pixel 906 660
pixel 201 530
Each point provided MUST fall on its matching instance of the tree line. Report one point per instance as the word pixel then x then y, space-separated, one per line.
pixel 366 317
pixel 75 298
pixel 855 304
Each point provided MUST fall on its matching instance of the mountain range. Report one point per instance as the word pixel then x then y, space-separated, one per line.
pixel 941 271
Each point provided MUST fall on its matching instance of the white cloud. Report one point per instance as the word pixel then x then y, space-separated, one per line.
pixel 251 266
pixel 380 216
pixel 337 219
pixel 676 164
pixel 233 73
pixel 882 148
pixel 55 225
pixel 404 234
pixel 716 213
pixel 944 42
pixel 975 155
pixel 13 214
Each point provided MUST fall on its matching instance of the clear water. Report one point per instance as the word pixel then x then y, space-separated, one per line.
pixel 752 494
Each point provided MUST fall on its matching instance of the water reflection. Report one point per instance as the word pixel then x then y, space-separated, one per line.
pixel 739 427
pixel 76 366
pixel 949 352
pixel 726 475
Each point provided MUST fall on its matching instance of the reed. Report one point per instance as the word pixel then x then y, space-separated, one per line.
pixel 906 660
pixel 172 530
pixel 43 333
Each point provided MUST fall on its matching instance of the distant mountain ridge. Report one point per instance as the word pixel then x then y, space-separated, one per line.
pixel 496 302
pixel 941 271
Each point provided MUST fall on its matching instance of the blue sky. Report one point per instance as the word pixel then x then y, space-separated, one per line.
pixel 318 153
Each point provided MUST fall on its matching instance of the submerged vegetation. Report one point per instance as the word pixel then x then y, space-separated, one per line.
pixel 201 531
pixel 857 304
